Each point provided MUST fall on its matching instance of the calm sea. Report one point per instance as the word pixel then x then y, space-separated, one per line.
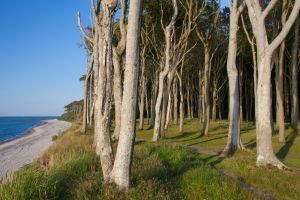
pixel 12 127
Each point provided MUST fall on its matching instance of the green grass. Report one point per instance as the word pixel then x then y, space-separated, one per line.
pixel 281 184
pixel 168 169
pixel 70 170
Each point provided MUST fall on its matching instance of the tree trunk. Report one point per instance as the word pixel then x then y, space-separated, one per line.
pixel 153 98
pixel 117 92
pixel 200 108
pixel 103 122
pixel 214 106
pixel 175 97
pixel 188 102
pixel 147 108
pixel 118 53
pixel 233 77
pixel 122 166
pixel 142 98
pixel 163 74
pixel 206 89
pixel 86 99
pixel 265 153
pixel 240 92
pixel 168 114
pixel 294 74
pixel 181 107
pixel 279 81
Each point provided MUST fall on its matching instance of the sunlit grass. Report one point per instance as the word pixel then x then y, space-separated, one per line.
pixel 282 184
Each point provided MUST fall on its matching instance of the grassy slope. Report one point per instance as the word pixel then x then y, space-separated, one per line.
pixel 70 169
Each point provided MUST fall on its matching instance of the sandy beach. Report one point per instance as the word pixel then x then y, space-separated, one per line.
pixel 23 150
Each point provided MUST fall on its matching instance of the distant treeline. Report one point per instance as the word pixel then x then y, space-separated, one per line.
pixel 73 111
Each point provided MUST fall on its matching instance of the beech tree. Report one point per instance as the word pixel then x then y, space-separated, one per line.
pixel 233 141
pixel 120 174
pixel 294 74
pixel 265 50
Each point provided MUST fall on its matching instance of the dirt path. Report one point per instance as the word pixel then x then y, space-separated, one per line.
pixel 233 177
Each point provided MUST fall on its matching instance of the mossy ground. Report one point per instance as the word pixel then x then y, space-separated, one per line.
pixel 166 170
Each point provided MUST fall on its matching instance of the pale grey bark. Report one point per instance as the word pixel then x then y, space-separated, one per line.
pixel 120 174
pixel 142 87
pixel 265 153
pixel 181 101
pixel 104 87
pixel 279 79
pixel 188 101
pixel 175 98
pixel 233 139
pixel 294 74
pixel 85 117
pixel 240 92
pixel 163 74
pixel 118 53
pixel 214 104
pixel 206 89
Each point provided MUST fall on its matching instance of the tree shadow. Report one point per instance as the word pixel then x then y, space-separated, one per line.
pixel 284 150
pixel 251 144
pixel 184 135
pixel 217 138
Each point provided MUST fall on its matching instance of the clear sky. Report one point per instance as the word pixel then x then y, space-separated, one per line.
pixel 40 58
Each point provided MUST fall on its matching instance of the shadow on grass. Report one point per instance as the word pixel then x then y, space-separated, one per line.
pixel 282 153
pixel 216 138
pixel 184 135
pixel 251 144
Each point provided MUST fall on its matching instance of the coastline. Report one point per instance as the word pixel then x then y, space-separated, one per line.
pixel 26 133
pixel 22 150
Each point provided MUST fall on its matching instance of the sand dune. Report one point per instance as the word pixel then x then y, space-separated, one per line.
pixel 21 151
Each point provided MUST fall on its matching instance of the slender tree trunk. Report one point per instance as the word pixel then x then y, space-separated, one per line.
pixel 85 117
pixel 192 107
pixel 117 89
pixel 168 114
pixel 143 89
pixel 147 108
pixel 164 110
pixel 163 74
pixel 214 106
pixel 240 92
pixel 153 98
pixel 206 89
pixel 118 53
pixel 188 102
pixel 200 108
pixel 122 166
pixel 279 80
pixel 233 77
pixel 294 74
pixel 181 107
pixel 175 97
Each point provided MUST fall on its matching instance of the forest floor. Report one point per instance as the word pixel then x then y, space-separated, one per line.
pixel 281 184
pixel 169 169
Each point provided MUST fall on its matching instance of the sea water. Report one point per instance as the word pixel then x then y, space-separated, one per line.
pixel 12 127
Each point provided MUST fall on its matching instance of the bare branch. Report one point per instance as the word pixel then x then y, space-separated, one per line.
pixel 85 35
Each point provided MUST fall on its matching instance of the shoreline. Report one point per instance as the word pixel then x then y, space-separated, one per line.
pixel 16 153
pixel 26 133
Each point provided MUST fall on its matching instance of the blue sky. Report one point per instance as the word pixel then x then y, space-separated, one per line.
pixel 40 58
